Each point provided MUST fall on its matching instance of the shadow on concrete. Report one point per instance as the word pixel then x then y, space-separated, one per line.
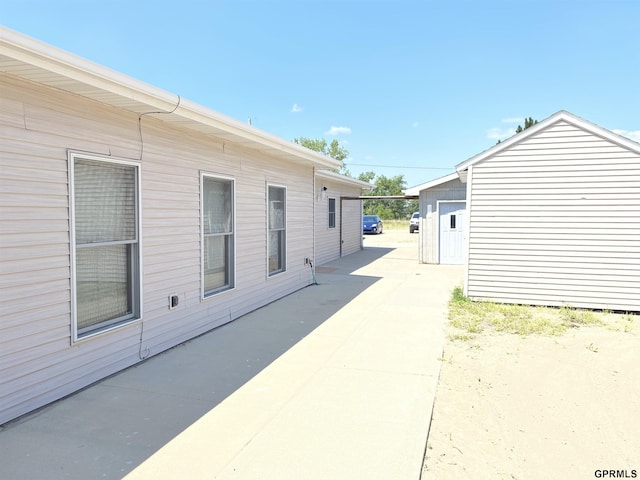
pixel 109 428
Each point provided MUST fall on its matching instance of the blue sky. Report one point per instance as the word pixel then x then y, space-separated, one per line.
pixel 409 87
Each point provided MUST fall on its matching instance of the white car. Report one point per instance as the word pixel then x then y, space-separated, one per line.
pixel 414 223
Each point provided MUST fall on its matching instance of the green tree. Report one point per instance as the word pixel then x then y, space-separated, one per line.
pixel 387 186
pixel 333 150
pixel 367 177
pixel 528 123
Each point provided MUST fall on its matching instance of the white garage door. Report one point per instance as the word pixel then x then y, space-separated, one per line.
pixel 452 232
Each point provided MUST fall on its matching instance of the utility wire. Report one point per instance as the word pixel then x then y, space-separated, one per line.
pixel 347 164
pixel 152 113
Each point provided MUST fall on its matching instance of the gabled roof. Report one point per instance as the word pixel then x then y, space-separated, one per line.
pixel 30 59
pixel 561 116
pixel 336 177
pixel 433 183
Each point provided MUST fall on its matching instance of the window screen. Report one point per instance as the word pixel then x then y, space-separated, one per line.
pixel 105 222
pixel 217 226
pixel 332 213
pixel 277 229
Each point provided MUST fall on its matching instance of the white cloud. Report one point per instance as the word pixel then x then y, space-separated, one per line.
pixel 338 131
pixel 500 133
pixel 296 108
pixel 513 120
pixel 632 134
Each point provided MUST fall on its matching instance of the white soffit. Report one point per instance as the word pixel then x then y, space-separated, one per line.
pixel 561 116
pixel 30 59
pixel 336 177
pixel 433 183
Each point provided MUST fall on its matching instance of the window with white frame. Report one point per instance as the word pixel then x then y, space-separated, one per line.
pixel 217 235
pixel 332 213
pixel 105 201
pixel 277 229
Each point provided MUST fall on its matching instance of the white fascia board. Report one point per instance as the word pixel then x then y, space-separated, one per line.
pixel 206 116
pixel 562 115
pixel 76 69
pixel 433 183
pixel 343 179
pixel 52 59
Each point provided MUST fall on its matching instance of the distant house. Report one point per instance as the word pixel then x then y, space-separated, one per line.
pixel 554 217
pixel 442 232
pixel 133 220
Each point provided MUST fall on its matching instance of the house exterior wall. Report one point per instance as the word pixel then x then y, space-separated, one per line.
pixel 429 250
pixel 348 222
pixel 555 220
pixel 39 362
pixel 351 226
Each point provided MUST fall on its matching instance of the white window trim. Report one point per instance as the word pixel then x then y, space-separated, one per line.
pixel 220 291
pixel 72 155
pixel 286 230
pixel 335 212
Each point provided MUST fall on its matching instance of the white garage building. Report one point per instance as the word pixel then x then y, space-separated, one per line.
pixel 442 231
pixel 554 217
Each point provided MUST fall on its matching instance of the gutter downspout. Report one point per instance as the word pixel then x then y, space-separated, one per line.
pixel 313 228
pixel 340 236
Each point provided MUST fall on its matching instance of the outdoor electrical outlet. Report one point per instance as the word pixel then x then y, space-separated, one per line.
pixel 173 301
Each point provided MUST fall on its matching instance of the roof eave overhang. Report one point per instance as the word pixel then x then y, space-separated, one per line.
pixel 562 115
pixel 27 58
pixel 343 179
pixel 433 183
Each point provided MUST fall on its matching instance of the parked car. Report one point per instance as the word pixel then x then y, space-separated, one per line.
pixel 414 223
pixel 371 224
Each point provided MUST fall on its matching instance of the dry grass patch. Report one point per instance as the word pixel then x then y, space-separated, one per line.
pixel 534 393
pixel 470 318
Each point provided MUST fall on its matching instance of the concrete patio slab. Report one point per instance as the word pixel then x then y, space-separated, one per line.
pixel 335 381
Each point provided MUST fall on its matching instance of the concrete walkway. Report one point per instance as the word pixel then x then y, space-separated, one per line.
pixel 336 381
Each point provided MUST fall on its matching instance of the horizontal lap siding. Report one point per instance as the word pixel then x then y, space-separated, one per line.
pixel 38 363
pixel 351 224
pixel 328 239
pixel 556 221
pixel 429 233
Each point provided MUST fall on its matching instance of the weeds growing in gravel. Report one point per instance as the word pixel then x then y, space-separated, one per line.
pixel 472 318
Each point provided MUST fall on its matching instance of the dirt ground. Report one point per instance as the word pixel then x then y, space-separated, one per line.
pixel 561 407
pixel 536 407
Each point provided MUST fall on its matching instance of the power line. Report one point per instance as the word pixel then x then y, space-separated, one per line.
pixel 396 166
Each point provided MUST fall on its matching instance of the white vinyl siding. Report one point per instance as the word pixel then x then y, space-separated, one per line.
pixel 105 247
pixel 38 125
pixel 555 220
pixel 346 237
pixel 218 239
pixel 453 190
pixel 351 226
